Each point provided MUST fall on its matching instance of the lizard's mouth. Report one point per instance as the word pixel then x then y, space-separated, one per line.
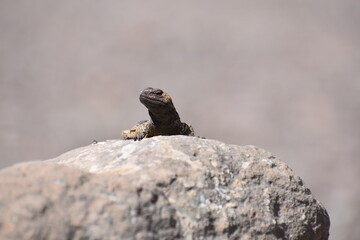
pixel 151 102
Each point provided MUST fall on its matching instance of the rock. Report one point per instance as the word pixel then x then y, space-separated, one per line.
pixel 173 187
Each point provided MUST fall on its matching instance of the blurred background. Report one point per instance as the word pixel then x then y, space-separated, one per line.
pixel 281 75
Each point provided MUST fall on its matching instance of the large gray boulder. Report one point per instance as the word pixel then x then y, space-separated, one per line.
pixel 174 187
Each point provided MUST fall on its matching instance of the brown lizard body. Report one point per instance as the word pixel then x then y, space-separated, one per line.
pixel 164 118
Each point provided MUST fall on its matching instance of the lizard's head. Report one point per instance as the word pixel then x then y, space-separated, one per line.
pixel 155 99
pixel 159 105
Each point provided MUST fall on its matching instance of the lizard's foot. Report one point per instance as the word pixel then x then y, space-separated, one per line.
pixel 138 132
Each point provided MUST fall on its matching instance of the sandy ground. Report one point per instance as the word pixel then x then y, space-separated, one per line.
pixel 283 76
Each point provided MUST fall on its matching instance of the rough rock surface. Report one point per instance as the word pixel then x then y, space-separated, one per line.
pixel 174 187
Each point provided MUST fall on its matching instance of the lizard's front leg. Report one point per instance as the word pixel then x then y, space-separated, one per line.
pixel 138 132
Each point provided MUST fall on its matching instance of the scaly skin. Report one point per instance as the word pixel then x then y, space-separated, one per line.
pixel 164 118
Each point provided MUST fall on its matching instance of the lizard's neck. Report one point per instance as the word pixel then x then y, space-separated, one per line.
pixel 165 119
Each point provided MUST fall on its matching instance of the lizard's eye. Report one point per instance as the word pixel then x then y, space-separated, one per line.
pixel 158 92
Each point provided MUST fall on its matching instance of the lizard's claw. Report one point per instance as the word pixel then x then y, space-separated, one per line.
pixel 138 136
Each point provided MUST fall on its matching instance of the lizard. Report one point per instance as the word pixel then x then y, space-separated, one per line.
pixel 164 118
